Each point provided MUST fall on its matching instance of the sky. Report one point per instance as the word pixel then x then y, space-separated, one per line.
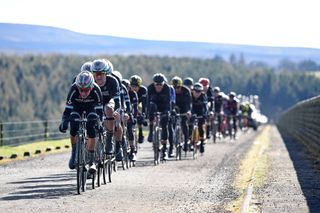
pixel 284 23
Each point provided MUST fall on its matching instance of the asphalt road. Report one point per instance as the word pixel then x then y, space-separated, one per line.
pixel 45 184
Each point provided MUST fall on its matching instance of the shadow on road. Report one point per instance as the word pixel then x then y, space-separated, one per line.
pixel 46 187
pixel 308 172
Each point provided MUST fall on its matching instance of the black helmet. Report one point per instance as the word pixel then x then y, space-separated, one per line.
pixel 125 82
pixel 158 78
pixel 188 81
pixel 135 80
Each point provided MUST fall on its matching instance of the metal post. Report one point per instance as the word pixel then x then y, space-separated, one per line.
pixel 45 130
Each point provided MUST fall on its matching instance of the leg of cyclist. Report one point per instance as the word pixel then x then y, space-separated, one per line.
pixel 235 126
pixel 171 134
pixel 74 127
pixel 152 110
pixel 109 125
pixel 131 139
pixel 164 135
pixel 185 130
pixel 140 121
pixel 118 137
pixel 201 122
pixel 91 140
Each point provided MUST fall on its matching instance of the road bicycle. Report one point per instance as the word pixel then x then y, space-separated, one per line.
pixel 179 136
pixel 82 163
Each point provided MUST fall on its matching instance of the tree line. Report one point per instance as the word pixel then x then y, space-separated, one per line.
pixel 34 87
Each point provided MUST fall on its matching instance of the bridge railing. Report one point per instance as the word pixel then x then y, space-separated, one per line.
pixel 302 123
pixel 15 133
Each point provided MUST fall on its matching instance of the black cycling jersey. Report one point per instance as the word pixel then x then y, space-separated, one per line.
pixel 111 90
pixel 199 105
pixel 160 99
pixel 183 100
pixel 231 107
pixel 210 97
pixel 142 97
pixel 124 97
pixel 78 104
pixel 218 101
pixel 134 102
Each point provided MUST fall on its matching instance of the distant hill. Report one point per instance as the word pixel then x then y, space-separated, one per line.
pixel 21 38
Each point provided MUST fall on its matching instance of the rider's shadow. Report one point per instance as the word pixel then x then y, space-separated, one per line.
pixel 45 187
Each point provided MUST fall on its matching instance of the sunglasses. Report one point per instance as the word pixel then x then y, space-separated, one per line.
pixel 158 84
pixel 84 90
pixel 98 73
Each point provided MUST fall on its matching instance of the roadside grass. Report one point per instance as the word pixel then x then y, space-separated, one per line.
pixel 253 169
pixel 54 145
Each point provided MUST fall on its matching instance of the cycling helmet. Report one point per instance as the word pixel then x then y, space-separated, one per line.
pixel 176 81
pixel 135 80
pixel 158 78
pixel 188 81
pixel 118 74
pixel 216 89
pixel 125 82
pixel 86 66
pixel 198 87
pixel 232 94
pixel 84 80
pixel 102 65
pixel 204 81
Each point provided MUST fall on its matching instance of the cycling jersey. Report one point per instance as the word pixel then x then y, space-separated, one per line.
pixel 218 101
pixel 142 97
pixel 76 103
pixel 231 107
pixel 183 100
pixel 111 90
pixel 160 99
pixel 199 105
pixel 210 97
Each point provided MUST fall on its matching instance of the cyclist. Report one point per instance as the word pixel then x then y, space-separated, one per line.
pixel 159 101
pixel 231 110
pixel 171 122
pixel 183 106
pixel 136 85
pixel 209 92
pixel 110 88
pixel 244 110
pixel 126 109
pixel 188 82
pixel 132 121
pixel 84 95
pixel 218 106
pixel 199 108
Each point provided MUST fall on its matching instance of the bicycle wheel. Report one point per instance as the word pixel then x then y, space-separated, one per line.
pixel 156 144
pixel 99 160
pixel 195 141
pixel 84 169
pixel 178 143
pixel 109 169
pixel 79 166
pixel 214 130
